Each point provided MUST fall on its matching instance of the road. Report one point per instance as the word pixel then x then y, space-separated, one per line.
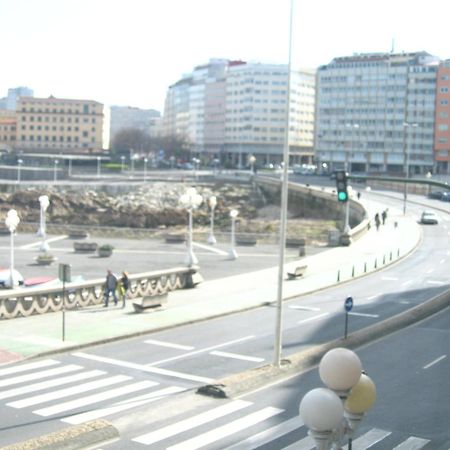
pixel 123 382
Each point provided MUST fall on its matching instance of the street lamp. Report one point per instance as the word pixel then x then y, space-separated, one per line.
pixel 406 159
pixel 347 211
pixel 55 171
pixel 98 166
pixel 44 202
pixel 122 158
pixel 70 166
pixel 251 160
pixel 232 254
pixel 428 175
pixel 334 413
pixel 132 161
pixel 19 164
pixel 145 169
pixel 212 204
pixel 11 221
pixel 190 200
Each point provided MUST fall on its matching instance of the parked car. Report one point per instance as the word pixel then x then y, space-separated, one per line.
pixel 436 195
pixel 429 218
pixel 445 197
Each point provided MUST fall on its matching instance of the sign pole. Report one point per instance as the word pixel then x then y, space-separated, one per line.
pixel 348 305
pixel 64 274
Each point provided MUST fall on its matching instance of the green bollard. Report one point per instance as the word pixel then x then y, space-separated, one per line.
pixel 339 276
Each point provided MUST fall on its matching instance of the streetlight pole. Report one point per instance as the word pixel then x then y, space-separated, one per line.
pixel 252 160
pixel 232 253
pixel 145 169
pixel 122 158
pixel 212 204
pixel 44 202
pixel 98 166
pixel 347 211
pixel 12 221
pixel 55 176
pixel 190 200
pixel 70 166
pixel 19 164
pixel 406 159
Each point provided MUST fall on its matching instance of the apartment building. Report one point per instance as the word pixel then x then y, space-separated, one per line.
pixel 59 125
pixel 233 109
pixel 375 113
pixel 8 130
pixel 146 120
pixel 442 119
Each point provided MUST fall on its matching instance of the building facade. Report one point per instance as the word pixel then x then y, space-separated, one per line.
pixel 59 125
pixel 146 120
pixel 14 94
pixel 442 119
pixel 8 131
pixel 375 113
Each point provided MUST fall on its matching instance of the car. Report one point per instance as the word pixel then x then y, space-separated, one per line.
pixel 429 218
pixel 445 197
pixel 436 195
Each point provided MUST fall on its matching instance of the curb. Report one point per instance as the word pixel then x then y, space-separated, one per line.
pixel 78 437
pixel 295 364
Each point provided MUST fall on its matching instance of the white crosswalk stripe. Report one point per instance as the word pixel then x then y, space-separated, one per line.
pixel 370 438
pixel 412 443
pixel 29 366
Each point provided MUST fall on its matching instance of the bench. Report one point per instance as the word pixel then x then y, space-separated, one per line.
pixel 175 238
pixel 298 272
pixel 85 247
pixel 140 304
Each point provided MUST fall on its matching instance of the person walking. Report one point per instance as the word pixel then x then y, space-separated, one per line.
pixel 124 284
pixel 377 221
pixel 384 216
pixel 110 287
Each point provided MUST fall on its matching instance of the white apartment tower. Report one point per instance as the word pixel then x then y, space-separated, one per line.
pixel 375 113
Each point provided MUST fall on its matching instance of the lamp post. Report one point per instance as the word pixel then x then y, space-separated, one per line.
pixel 19 164
pixel 55 171
pixel 98 166
pixel 406 125
pixel 44 202
pixel 334 413
pixel 70 166
pixel 212 204
pixel 145 169
pixel 12 221
pixel 252 160
pixel 132 161
pixel 190 200
pixel 122 159
pixel 347 211
pixel 232 254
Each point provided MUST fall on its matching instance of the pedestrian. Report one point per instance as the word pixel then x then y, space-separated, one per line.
pixel 110 287
pixel 384 216
pixel 358 195
pixel 124 284
pixel 377 221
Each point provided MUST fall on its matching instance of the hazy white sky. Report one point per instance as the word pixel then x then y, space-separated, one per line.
pixel 127 52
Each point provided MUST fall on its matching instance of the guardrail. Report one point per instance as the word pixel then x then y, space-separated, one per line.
pixel 40 300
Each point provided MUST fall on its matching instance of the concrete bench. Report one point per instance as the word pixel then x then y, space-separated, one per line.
pixel 175 238
pixel 140 304
pixel 85 247
pixel 298 272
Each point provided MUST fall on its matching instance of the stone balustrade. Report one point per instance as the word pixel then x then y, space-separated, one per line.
pixel 40 300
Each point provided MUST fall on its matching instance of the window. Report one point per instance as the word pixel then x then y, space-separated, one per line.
pixel 444 102
pixel 443 127
pixel 444 90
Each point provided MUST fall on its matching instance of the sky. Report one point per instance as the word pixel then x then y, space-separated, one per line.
pixel 129 52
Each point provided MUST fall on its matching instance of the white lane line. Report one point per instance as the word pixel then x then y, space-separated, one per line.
pixel 432 363
pixel 269 435
pixel 236 356
pixel 412 443
pixel 389 278
pixel 36 244
pixel 191 422
pixel 30 366
pixel 351 313
pixel 320 316
pixel 123 406
pixel 61 393
pixel 168 344
pixel 406 283
pixel 368 439
pixel 226 430
pixel 404 302
pixel 50 383
pixel 209 248
pixel 202 350
pixel 89 400
pixel 373 296
pixel 306 443
pixel 37 375
pixel 304 308
pixel 157 370
pixel 439 283
pixel 429 271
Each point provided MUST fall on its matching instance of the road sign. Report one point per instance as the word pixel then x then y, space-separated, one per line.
pixel 64 273
pixel 348 305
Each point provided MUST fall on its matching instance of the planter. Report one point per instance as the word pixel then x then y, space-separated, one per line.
pixel 104 252
pixel 78 234
pixel 175 238
pixel 246 241
pixel 45 259
pixel 85 247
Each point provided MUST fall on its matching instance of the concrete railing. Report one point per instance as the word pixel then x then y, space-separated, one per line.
pixel 40 300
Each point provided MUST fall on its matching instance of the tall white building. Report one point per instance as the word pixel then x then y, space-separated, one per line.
pixel 375 113
pixel 232 109
pixel 122 117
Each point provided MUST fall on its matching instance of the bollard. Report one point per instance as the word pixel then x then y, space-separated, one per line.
pixel 398 253
pixel 365 267
pixel 390 256
pixel 353 271
pixel 375 265
pixel 339 276
pixel 384 259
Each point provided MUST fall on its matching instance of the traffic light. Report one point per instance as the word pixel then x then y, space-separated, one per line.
pixel 341 185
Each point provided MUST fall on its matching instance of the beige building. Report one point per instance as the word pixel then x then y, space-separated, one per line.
pixel 59 125
pixel 8 126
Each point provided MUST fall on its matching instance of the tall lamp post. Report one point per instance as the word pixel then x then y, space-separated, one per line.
pixel 251 160
pixel 145 169
pixel 12 221
pixel 122 159
pixel 44 203
pixel 232 254
pixel 190 200
pixel 333 414
pixel 70 166
pixel 19 164
pixel 55 171
pixel 406 125
pixel 212 204
pixel 347 211
pixel 98 166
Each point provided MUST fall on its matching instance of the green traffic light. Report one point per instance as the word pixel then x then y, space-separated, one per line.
pixel 342 196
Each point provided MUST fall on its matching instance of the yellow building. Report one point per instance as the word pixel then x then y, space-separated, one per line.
pixel 8 127
pixel 59 125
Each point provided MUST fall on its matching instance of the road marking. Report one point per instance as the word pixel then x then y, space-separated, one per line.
pixel 227 429
pixel 368 439
pixel 123 406
pixel 269 435
pixel 304 308
pixel 50 383
pixel 412 443
pixel 404 302
pixel 66 392
pixel 436 282
pixel 320 316
pixel 95 398
pixel 351 313
pixel 37 375
pixel 191 422
pixel 168 344
pixel 144 368
pixel 432 363
pixel 389 278
pixel 306 443
pixel 236 356
pixel 202 350
pixel 30 366
pixel 209 248
pixel 429 271
pixel 406 283
pixel 35 244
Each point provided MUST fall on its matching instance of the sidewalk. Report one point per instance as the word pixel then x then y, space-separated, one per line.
pixel 42 334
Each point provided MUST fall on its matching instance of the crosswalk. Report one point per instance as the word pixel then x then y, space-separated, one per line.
pixel 75 394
